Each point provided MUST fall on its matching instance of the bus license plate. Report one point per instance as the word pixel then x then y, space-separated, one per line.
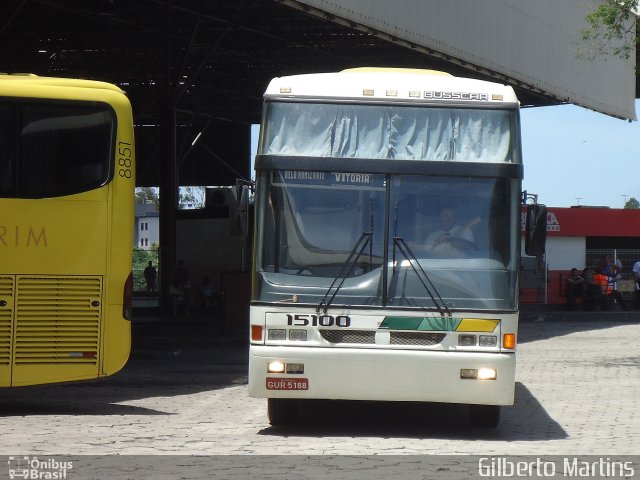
pixel 287 384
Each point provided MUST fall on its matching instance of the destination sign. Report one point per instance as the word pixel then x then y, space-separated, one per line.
pixel 303 177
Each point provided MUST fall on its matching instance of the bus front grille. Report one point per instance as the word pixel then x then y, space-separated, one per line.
pixel 57 320
pixel 416 338
pixel 423 339
pixel 349 336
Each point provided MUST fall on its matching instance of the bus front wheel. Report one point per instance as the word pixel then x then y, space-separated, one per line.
pixel 484 416
pixel 282 411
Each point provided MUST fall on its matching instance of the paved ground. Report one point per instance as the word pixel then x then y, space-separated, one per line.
pixel 577 394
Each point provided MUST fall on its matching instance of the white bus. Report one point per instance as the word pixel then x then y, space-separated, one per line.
pixel 387 241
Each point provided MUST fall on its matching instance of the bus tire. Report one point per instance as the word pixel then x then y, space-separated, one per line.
pixel 282 411
pixel 484 416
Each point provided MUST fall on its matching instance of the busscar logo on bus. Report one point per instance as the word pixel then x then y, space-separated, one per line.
pixel 482 97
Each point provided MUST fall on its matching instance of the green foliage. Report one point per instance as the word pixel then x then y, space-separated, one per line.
pixel 148 194
pixel 192 196
pixel 632 203
pixel 141 259
pixel 611 30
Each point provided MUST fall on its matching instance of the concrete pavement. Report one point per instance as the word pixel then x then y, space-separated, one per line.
pixel 184 392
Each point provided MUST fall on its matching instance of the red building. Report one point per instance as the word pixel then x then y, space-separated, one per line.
pixel 578 237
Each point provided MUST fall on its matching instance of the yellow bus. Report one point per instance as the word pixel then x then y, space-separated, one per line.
pixel 66 229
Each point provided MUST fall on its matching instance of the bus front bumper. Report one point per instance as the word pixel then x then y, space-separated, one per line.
pixel 389 375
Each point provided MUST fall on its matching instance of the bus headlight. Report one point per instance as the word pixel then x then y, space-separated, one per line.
pixel 488 341
pixel 275 366
pixel 466 340
pixel 297 335
pixel 277 334
pixel 487 374
pixel 295 368
pixel 478 373
pixel 468 373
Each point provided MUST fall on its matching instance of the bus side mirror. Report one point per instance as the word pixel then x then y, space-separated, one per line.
pixel 239 214
pixel 536 230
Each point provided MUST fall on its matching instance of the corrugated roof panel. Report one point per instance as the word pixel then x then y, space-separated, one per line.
pixel 533 43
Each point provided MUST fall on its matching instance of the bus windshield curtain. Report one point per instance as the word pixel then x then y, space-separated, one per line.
pixel 388 132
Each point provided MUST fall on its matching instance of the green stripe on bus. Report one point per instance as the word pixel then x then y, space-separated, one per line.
pixel 420 323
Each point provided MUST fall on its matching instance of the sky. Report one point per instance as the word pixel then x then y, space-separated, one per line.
pixel 574 156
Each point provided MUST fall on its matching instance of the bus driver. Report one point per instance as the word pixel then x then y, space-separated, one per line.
pixel 451 236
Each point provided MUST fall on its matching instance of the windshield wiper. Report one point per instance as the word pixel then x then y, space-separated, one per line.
pixel 352 259
pixel 428 285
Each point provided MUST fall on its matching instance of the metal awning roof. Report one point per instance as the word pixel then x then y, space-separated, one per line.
pixel 214 59
pixel 221 54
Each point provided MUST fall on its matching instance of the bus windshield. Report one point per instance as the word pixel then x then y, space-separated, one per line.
pixel 399 132
pixel 60 149
pixel 374 237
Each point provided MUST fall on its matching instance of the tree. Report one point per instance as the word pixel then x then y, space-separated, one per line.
pixel 141 259
pixel 148 195
pixel 192 197
pixel 611 29
pixel 632 203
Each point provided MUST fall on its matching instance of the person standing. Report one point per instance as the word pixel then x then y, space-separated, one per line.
pixel 636 277
pixel 613 272
pixel 150 275
pixel 575 288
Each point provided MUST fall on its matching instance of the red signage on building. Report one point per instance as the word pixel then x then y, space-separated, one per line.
pixel 591 222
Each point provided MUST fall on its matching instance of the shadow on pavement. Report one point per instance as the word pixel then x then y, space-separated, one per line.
pixel 527 420
pixel 167 359
pixel 542 326
pixel 181 356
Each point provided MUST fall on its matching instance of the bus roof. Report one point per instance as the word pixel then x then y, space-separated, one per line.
pixel 17 79
pixel 392 84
